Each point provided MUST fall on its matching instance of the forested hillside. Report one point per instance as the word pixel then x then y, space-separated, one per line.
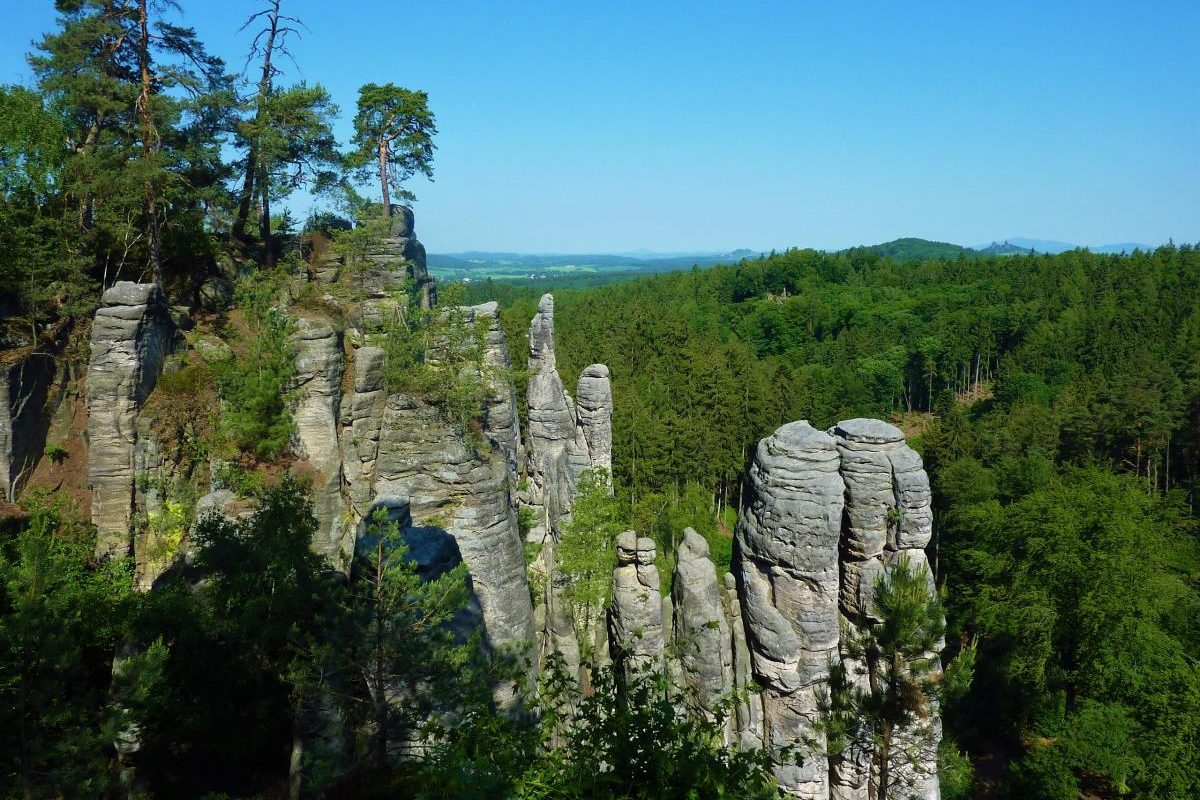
pixel 1057 402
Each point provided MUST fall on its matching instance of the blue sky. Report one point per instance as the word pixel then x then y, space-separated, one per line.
pixel 585 127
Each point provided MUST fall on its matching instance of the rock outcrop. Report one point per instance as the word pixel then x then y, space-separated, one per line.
pixel 131 335
pixel 702 639
pixel 24 388
pixel 317 391
pixel 888 518
pixel 635 620
pixel 826 514
pixel 787 542
pixel 565 439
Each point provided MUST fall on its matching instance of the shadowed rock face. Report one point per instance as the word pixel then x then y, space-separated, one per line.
pixel 24 389
pixel 131 335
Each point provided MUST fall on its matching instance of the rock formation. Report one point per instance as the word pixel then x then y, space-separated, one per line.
pixel 787 540
pixel 702 639
pixel 24 388
pixel 636 620
pixel 888 518
pixel 131 335
pixel 826 513
pixel 317 389
pixel 564 439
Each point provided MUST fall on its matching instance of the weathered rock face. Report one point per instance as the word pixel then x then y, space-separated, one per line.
pixel 317 388
pixel 702 637
pixel 635 620
pixel 24 388
pixel 595 406
pixel 787 540
pixel 131 335
pixel 398 256
pixel 888 518
pixel 362 420
pixel 826 514
pixel 565 439
pixel 466 491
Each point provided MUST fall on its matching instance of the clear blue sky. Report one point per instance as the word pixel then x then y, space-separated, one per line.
pixel 583 127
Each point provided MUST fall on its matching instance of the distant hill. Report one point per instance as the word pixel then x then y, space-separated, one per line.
pixel 1004 249
pixel 913 249
pixel 1020 244
pixel 592 269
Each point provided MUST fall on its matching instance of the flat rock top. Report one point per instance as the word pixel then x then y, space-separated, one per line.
pixel 595 371
pixel 487 309
pixel 867 431
pixel 799 436
pixel 128 293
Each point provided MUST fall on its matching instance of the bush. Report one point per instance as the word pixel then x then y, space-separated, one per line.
pixel 256 415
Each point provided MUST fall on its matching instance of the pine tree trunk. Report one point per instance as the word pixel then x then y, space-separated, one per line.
pixel 383 156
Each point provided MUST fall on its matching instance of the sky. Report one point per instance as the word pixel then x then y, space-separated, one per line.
pixel 577 127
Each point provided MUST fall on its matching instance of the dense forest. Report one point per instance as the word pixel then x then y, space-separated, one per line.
pixel 1056 400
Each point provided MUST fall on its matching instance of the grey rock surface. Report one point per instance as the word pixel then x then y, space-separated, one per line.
pixel 702 637
pixel 466 492
pixel 317 392
pixel 635 621
pixel 131 336
pixel 888 519
pixel 787 552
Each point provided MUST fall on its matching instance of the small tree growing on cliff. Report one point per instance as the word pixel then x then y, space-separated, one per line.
pixel 902 677
pixel 393 135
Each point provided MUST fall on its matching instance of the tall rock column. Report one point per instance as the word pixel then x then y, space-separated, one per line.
pixel 787 557
pixel 131 335
pixel 319 363
pixel 635 620
pixel 888 518
pixel 702 638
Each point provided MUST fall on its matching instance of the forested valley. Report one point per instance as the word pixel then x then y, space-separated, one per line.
pixel 274 520
pixel 1056 402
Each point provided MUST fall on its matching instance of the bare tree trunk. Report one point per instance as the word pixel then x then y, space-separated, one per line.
pixel 264 88
pixel 148 137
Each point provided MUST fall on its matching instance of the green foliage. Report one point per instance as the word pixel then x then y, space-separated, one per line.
pixel 1079 585
pixel 897 648
pixel 956 774
pixel 439 355
pixel 393 137
pixel 56 453
pixel 61 618
pixel 622 740
pixel 587 551
pixel 246 649
pixel 255 382
pixel 407 655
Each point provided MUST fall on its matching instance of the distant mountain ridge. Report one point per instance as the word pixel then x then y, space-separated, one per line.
pixel 595 268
